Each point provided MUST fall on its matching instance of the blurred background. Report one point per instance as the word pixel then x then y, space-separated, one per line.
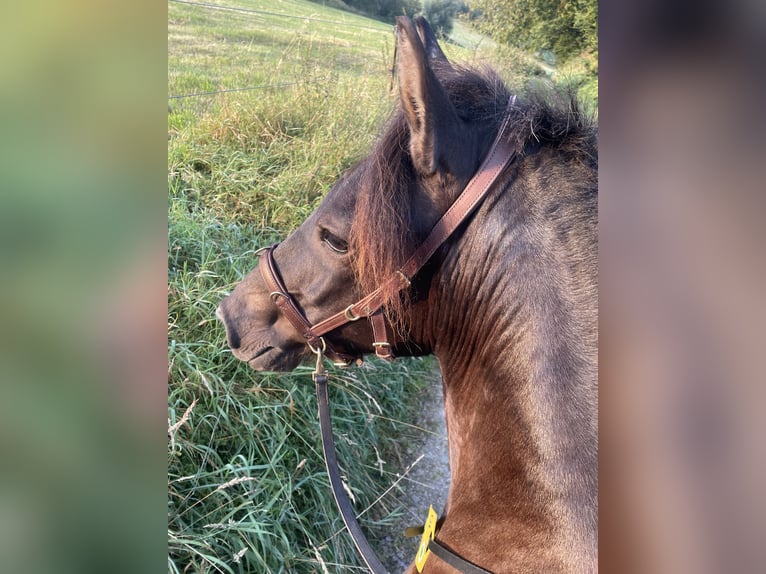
pixel 82 236
pixel 681 175
pixel 83 221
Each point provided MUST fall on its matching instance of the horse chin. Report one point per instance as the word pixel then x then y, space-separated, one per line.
pixel 277 360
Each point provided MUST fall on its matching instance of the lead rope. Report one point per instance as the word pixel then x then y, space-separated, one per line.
pixel 331 464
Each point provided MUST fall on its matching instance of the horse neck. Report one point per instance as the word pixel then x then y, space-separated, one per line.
pixel 512 320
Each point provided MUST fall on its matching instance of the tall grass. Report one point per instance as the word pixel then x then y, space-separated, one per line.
pixel 247 491
pixel 246 485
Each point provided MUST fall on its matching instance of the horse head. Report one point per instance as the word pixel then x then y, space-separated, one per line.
pixel 354 240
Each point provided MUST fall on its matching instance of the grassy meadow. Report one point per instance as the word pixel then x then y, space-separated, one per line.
pixel 269 101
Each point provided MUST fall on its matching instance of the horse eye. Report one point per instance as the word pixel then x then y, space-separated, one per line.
pixel 334 243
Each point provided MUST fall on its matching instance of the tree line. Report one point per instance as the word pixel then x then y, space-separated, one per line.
pixel 563 29
pixel 566 29
pixel 439 13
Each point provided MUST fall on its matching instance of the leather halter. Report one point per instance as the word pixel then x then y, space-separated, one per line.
pixel 500 155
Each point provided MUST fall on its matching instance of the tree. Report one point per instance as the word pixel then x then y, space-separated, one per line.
pixel 441 14
pixel 568 28
pixel 386 10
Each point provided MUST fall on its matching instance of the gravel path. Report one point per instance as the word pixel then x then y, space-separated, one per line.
pixel 425 484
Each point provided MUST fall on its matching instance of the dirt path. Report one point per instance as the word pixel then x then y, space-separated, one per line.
pixel 427 481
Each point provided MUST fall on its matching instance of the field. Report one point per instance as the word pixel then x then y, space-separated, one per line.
pixel 269 101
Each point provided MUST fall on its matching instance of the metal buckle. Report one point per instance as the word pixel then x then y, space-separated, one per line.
pixel 348 314
pixel 319 352
pixel 274 294
pixel 384 350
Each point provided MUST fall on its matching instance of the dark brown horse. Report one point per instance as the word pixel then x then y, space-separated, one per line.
pixel 508 304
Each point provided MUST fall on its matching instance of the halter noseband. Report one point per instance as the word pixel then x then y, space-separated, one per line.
pixel 286 303
pixel 500 155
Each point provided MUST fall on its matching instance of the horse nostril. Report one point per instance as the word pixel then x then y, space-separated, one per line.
pixel 231 335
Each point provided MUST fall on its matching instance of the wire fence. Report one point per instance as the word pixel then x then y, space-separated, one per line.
pixel 247 89
pixel 278 15
pixel 267 86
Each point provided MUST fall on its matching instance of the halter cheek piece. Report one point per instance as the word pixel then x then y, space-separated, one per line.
pixel 500 155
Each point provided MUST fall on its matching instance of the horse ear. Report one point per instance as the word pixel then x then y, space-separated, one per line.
pixel 430 43
pixel 434 124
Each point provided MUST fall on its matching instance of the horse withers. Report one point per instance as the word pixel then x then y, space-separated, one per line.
pixel 508 303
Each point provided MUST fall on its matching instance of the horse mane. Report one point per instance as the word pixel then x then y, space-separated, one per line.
pixel 384 231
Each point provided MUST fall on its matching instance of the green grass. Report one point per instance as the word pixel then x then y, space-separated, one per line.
pixel 247 490
pixel 246 485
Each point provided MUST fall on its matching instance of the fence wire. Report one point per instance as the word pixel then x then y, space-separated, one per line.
pixel 247 89
pixel 264 13
pixel 278 15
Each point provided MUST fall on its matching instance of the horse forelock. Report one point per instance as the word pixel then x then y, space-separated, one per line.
pixel 382 233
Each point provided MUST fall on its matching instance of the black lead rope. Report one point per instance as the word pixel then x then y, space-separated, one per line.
pixel 341 498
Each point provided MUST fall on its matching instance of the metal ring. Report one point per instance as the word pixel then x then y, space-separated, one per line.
pixel 274 294
pixel 262 249
pixel 318 351
pixel 348 314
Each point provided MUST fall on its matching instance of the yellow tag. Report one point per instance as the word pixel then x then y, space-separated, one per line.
pixel 428 535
